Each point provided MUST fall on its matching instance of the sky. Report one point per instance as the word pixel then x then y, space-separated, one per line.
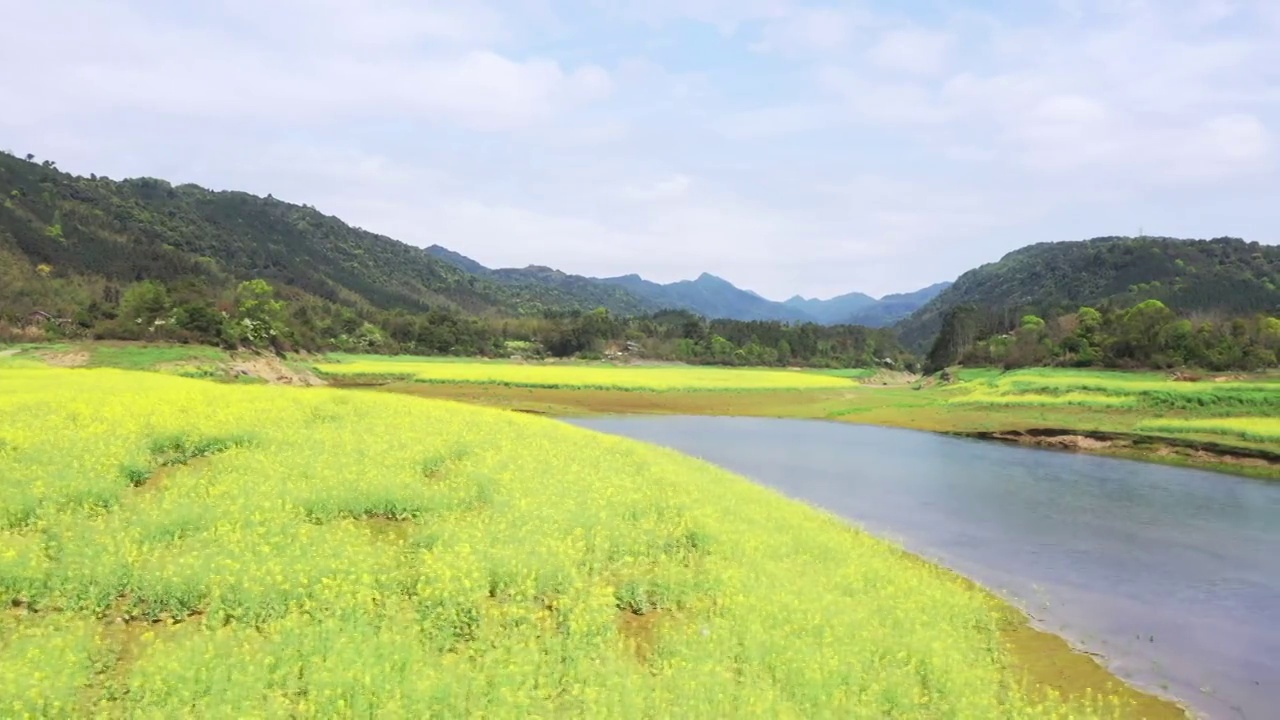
pixel 791 147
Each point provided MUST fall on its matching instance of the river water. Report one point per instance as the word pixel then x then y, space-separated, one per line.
pixel 1172 574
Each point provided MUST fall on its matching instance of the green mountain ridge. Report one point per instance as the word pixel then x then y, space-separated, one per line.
pixel 896 306
pixel 1221 276
pixel 833 310
pixel 71 244
pixel 95 232
pixel 715 297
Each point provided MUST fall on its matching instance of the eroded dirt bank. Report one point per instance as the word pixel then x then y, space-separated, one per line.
pixel 1192 452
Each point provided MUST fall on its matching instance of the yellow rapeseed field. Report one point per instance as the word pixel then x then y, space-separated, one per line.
pixel 588 376
pixel 1255 429
pixel 177 548
pixel 1113 389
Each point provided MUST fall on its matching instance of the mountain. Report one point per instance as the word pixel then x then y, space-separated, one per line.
pixel 458 260
pixel 584 289
pixel 836 310
pixel 1223 275
pixel 109 231
pixel 892 308
pixel 710 296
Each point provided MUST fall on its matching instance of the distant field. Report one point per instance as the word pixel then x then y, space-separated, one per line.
pixel 1142 391
pixel 657 378
pixel 1255 429
pixel 171 547
pixel 853 373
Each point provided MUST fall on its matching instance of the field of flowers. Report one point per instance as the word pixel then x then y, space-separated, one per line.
pixel 1253 429
pixel 1111 389
pixel 171 547
pixel 652 378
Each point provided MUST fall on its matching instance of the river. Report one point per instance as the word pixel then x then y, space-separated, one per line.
pixel 1173 574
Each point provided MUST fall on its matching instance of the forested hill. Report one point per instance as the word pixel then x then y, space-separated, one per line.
pixel 87 231
pixel 713 297
pixel 1225 276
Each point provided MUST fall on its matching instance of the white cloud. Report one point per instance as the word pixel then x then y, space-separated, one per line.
pixel 789 145
pixel 359 64
pixel 912 51
pixel 727 15
pixel 883 100
pixel 779 120
pixel 670 187
pixel 369 25
pixel 810 30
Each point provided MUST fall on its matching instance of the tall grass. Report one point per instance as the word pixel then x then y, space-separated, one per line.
pixel 183 548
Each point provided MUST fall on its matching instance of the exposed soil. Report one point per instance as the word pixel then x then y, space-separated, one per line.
pixel 890 377
pixel 641 631
pixel 274 371
pixel 395 531
pixel 1131 444
pixel 160 477
pixel 1066 441
pixel 78 358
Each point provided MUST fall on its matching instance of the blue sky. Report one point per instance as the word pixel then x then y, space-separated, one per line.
pixel 788 146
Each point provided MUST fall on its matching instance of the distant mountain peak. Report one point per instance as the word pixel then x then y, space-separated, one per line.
pixel 456 259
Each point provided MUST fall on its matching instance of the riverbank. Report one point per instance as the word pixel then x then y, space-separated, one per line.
pixel 1107 430
pixel 231 536
pixel 1139 416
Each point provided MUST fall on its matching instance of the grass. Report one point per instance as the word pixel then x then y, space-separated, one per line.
pixel 1263 430
pixel 146 357
pixel 1142 390
pixel 852 373
pixel 178 548
pixel 584 376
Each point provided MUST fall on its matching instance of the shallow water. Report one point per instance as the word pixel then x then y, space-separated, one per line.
pixel 1173 574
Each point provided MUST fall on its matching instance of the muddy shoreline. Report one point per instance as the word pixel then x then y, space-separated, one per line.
pixel 1157 449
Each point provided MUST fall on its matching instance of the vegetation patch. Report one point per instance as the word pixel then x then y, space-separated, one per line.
pixel 1143 391
pixel 1254 429
pixel 180 448
pixel 643 378
pixel 505 599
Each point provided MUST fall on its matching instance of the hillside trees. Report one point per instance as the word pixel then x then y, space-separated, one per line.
pixel 1146 335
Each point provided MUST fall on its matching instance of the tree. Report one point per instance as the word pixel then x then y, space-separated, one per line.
pixel 203 320
pixel 1140 333
pixel 259 316
pixel 145 303
pixel 959 332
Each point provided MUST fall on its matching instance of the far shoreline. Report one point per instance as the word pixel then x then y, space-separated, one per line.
pixel 999 424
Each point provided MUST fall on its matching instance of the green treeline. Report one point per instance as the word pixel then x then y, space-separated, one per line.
pixel 1146 335
pixel 251 314
pixel 142 259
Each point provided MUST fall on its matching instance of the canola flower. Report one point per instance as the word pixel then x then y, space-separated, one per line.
pixel 1111 389
pixel 586 376
pixel 177 548
pixel 1254 429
